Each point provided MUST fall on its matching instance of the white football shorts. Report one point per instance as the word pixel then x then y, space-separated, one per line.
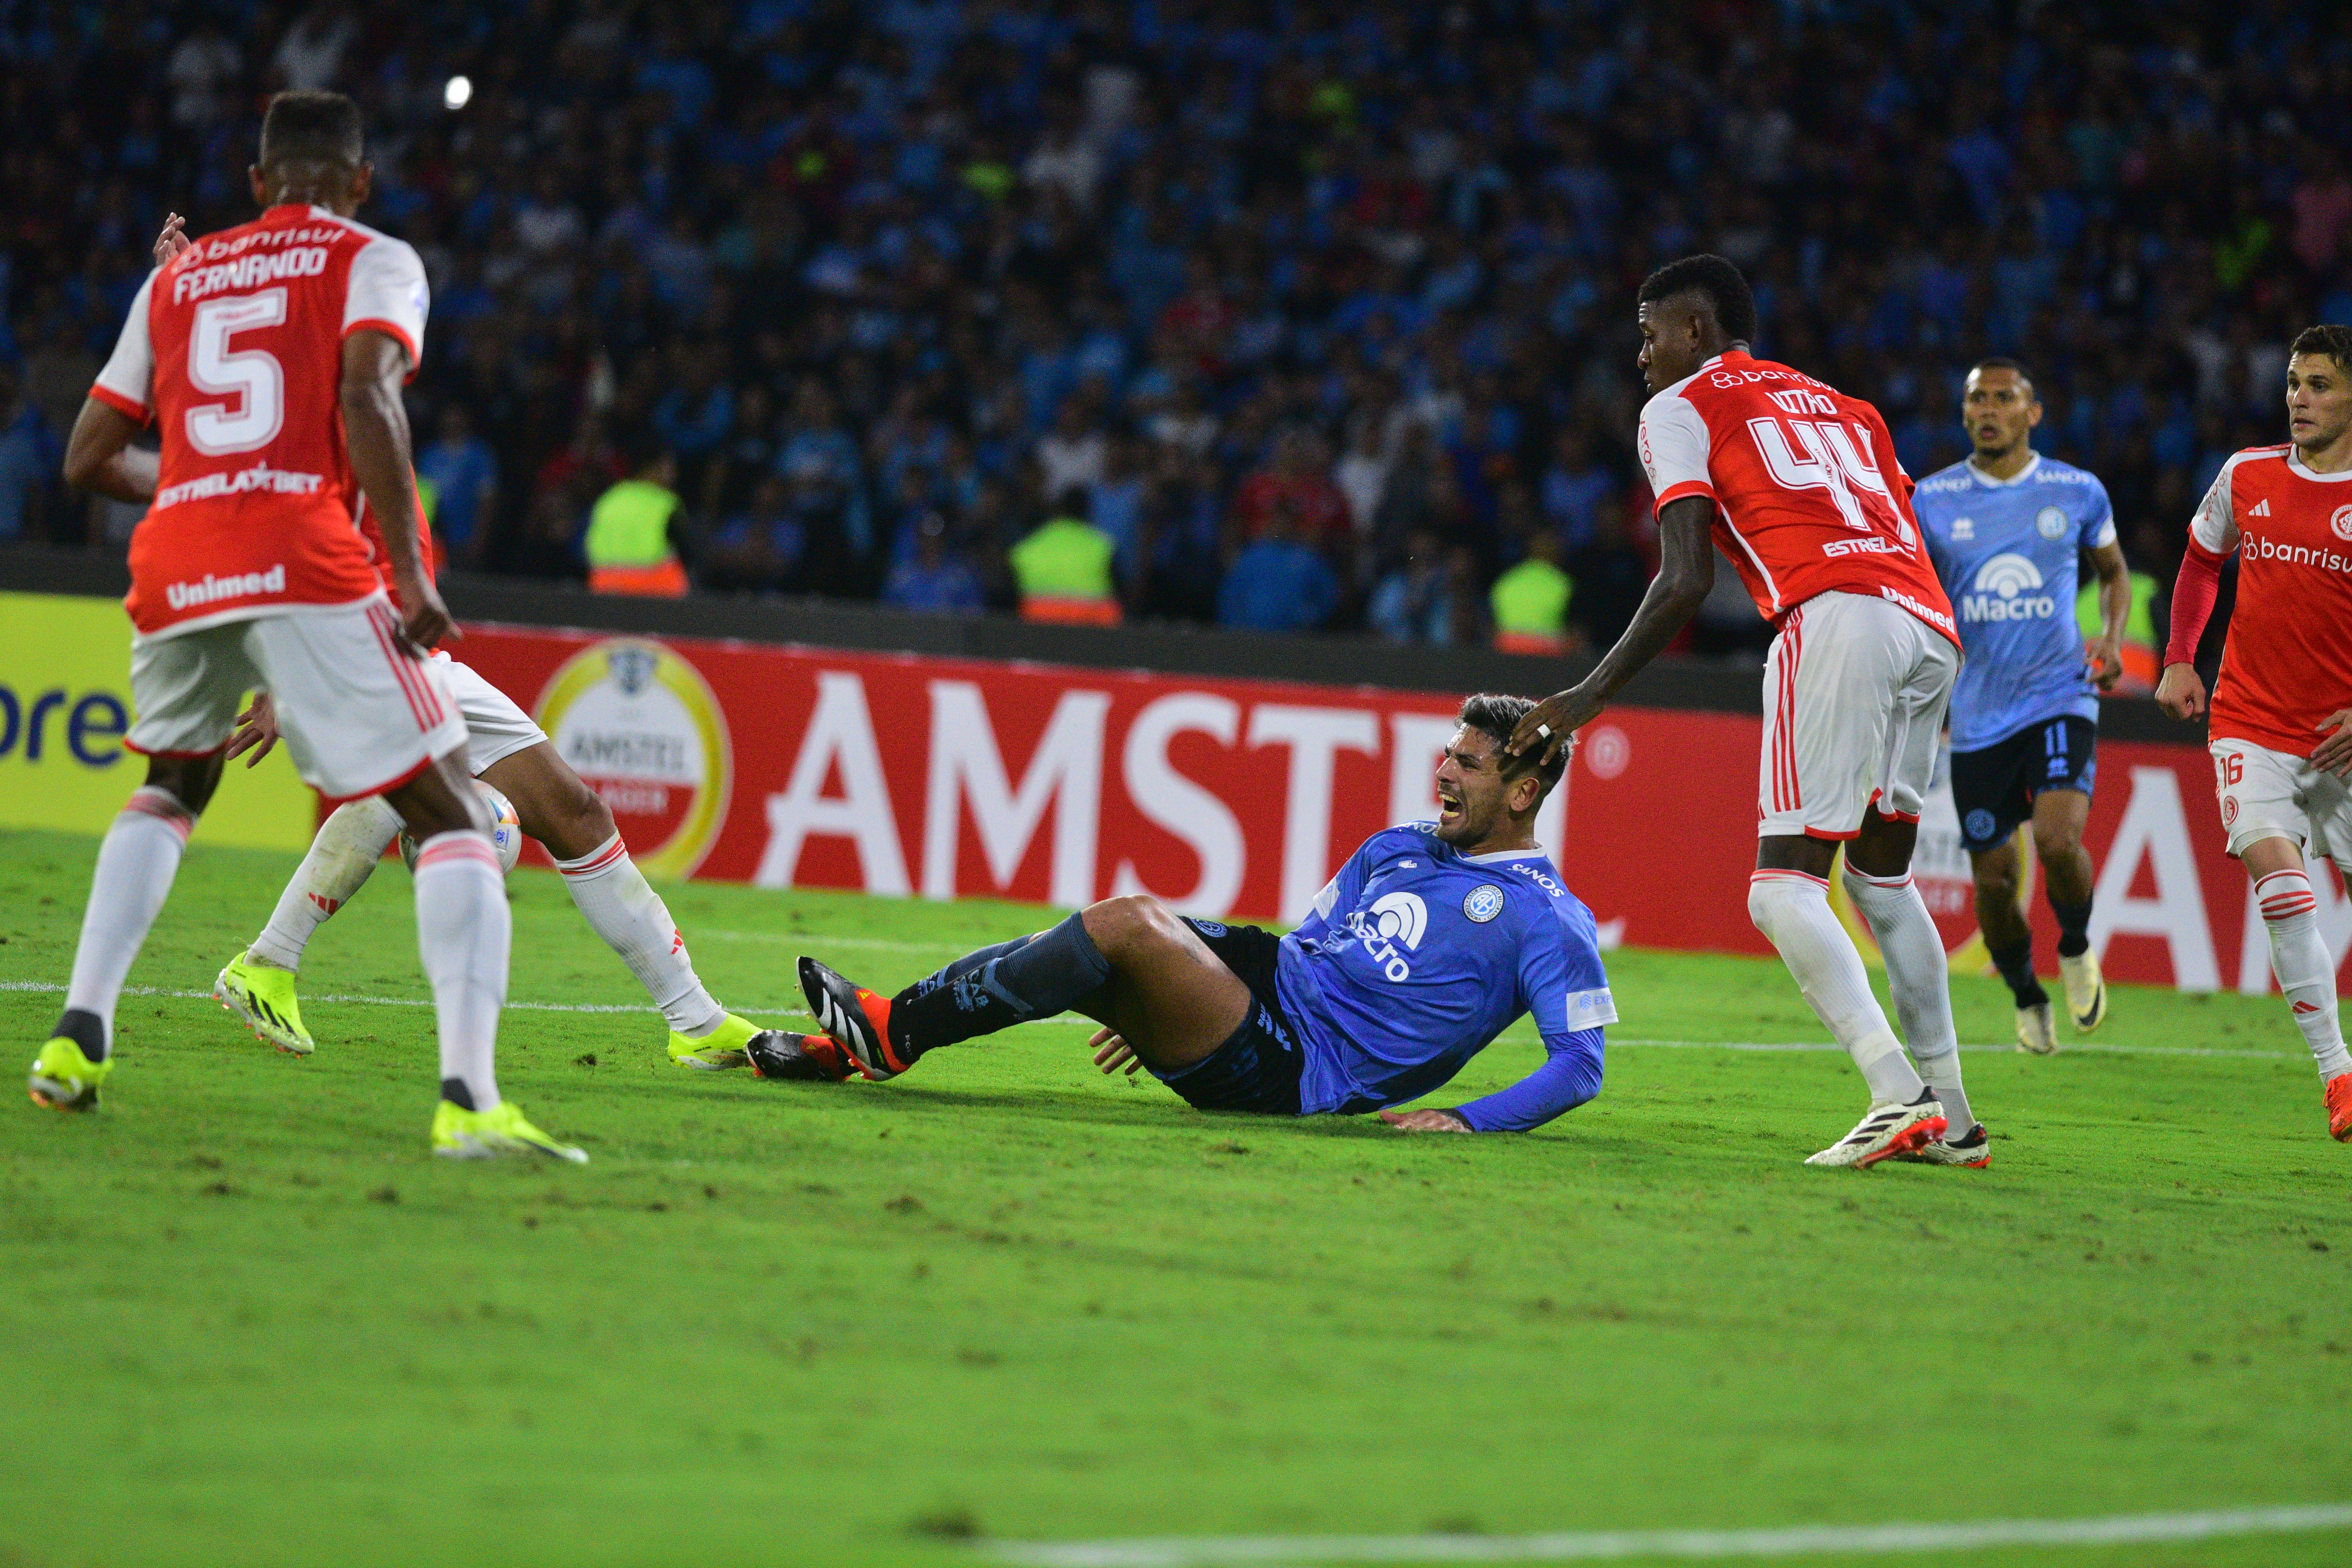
pixel 2277 794
pixel 359 712
pixel 495 725
pixel 1854 692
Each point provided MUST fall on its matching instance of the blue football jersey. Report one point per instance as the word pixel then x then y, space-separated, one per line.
pixel 2008 550
pixel 1415 956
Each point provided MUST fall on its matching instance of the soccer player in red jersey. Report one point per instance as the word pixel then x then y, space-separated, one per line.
pixel 272 357
pixel 2282 712
pixel 1799 486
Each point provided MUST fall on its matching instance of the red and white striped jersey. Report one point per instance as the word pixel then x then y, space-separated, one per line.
pixel 235 350
pixel 1808 495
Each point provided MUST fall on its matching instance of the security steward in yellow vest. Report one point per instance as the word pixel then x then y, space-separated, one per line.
pixel 629 546
pixel 1063 570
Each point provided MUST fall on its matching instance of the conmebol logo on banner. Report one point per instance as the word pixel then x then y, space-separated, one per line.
pixel 640 725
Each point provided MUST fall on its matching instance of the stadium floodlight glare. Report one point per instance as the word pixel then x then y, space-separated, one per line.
pixel 458 92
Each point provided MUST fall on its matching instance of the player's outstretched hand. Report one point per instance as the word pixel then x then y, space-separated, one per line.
pixel 2181 692
pixel 1112 1053
pixel 428 623
pixel 1552 723
pixel 172 240
pixel 2335 754
pixel 2105 661
pixel 257 731
pixel 1428 1119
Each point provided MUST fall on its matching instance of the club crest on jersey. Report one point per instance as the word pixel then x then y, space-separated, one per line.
pixel 2049 522
pixel 1484 903
pixel 2007 590
pixel 2341 523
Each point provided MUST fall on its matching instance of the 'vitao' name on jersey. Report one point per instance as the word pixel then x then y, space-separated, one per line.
pixel 2007 590
pixel 1393 917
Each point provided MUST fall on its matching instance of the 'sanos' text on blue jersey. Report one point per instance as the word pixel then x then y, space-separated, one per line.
pixel 2009 552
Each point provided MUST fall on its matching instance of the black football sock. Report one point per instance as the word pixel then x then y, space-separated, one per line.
pixel 2016 966
pixel 2073 928
pixel 84 1028
pixel 997 987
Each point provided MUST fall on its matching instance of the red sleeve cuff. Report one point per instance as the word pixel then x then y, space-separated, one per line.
pixel 393 330
pixel 120 404
pixel 1687 488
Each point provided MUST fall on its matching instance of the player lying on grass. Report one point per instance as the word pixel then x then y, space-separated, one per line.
pixel 507 750
pixel 1429 941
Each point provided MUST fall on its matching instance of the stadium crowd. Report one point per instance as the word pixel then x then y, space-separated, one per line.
pixel 1286 316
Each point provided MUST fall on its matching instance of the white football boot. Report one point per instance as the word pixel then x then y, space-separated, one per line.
pixel 2086 990
pixel 1972 1149
pixel 1887 1129
pixel 2035 1032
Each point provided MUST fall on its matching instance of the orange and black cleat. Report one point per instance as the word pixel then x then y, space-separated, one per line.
pixel 806 1058
pixel 2339 1107
pixel 857 1019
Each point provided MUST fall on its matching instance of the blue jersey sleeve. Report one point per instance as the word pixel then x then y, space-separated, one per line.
pixel 1565 991
pixel 2098 519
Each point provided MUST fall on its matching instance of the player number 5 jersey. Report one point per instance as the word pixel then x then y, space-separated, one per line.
pixel 235 350
pixel 1808 495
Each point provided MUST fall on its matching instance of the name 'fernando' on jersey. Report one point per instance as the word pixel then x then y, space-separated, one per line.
pixel 1808 495
pixel 235 350
pixel 2010 553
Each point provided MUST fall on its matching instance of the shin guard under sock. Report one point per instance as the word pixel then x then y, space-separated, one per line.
pixel 2073 928
pixel 2016 966
pixel 997 987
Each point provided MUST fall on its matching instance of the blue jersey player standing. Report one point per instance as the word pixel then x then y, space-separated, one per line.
pixel 1429 941
pixel 2006 528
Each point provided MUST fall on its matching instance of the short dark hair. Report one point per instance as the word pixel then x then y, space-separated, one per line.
pixel 2336 343
pixel 1496 716
pixel 1726 289
pixel 2002 361
pixel 312 128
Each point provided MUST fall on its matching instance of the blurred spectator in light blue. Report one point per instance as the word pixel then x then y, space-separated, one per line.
pixel 1279 583
pixel 760 548
pixel 29 458
pixel 936 577
pixel 465 477
pixel 1576 487
pixel 1409 603
pixel 1115 503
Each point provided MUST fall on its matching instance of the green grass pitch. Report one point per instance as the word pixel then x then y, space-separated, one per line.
pixel 250 1321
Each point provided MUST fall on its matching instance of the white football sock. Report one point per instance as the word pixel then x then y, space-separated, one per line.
pixel 1792 911
pixel 616 901
pixel 1919 976
pixel 136 862
pixel 2299 959
pixel 341 860
pixel 464 931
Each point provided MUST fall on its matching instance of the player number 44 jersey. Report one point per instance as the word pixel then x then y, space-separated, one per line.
pixel 2287 662
pixel 235 350
pixel 1808 495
